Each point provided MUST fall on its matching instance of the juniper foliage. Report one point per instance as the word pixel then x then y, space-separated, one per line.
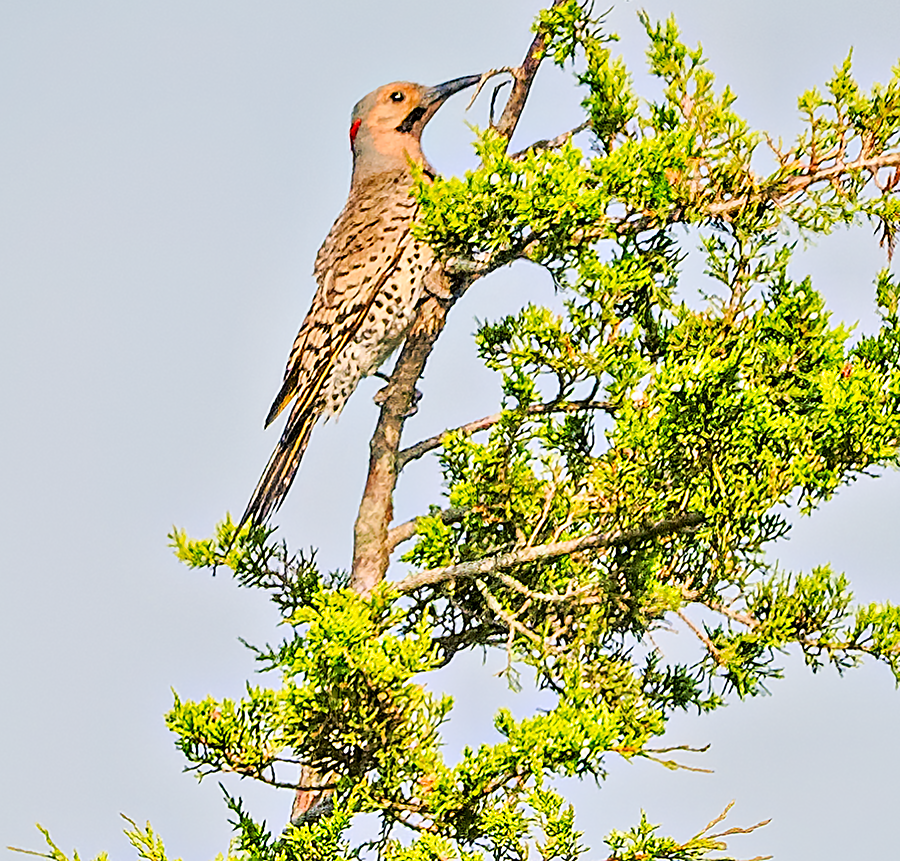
pixel 648 451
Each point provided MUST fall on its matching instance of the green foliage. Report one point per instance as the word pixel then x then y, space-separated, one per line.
pixel 290 579
pixel 55 853
pixel 348 702
pixel 320 840
pixel 610 103
pixel 146 842
pixel 650 448
pixel 349 705
pixel 642 842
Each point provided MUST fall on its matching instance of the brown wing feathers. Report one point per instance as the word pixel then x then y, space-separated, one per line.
pixel 285 460
pixel 310 365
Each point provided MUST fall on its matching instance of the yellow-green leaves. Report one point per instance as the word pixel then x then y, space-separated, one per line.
pixel 655 436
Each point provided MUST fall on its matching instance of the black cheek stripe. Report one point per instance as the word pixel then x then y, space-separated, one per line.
pixel 411 119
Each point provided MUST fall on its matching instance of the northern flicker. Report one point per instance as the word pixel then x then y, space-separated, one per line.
pixel 371 272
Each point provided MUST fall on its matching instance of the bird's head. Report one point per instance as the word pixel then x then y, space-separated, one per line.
pixel 386 126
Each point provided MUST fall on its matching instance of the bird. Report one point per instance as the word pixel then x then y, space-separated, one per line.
pixel 371 272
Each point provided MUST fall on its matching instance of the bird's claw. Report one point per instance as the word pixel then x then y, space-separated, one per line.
pixel 381 396
pixel 413 407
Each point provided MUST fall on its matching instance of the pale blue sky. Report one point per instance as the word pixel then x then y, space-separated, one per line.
pixel 169 169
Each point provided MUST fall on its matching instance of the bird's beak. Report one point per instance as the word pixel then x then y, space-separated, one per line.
pixel 434 96
pixel 430 100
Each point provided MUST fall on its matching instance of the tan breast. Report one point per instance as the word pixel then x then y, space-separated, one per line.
pixel 370 272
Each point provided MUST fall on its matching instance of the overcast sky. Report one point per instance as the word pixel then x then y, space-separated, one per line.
pixel 169 169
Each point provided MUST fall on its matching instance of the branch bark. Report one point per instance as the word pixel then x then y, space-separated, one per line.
pixel 552 143
pixel 371 549
pixel 493 564
pixel 800 183
pixel 522 80
pixel 405 531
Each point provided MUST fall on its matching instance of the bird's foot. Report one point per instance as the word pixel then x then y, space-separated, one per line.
pixel 413 407
pixel 466 265
pixel 381 395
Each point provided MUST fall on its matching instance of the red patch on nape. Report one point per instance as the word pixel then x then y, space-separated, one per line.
pixel 353 130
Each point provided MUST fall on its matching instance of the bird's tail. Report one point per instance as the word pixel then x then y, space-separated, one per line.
pixel 282 466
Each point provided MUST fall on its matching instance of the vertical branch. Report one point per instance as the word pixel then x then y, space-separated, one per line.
pixel 371 549
pixel 523 78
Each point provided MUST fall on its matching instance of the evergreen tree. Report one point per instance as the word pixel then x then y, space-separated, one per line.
pixel 649 448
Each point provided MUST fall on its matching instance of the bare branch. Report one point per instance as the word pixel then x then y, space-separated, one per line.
pixel 552 143
pixel 480 567
pixel 494 95
pixel 485 77
pixel 522 80
pixel 743 618
pixel 710 646
pixel 404 531
pixel 416 451
pixel 370 549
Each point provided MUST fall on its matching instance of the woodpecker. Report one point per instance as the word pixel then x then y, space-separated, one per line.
pixel 371 272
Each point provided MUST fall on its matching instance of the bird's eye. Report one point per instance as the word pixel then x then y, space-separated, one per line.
pixel 397 96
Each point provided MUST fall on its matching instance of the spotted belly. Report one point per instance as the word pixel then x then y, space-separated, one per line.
pixel 383 329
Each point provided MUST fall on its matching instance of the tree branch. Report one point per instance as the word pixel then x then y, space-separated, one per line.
pixel 405 531
pixel 796 184
pixel 479 567
pixel 371 550
pixel 416 451
pixel 522 80
pixel 736 616
pixel 710 646
pixel 510 621
pixel 552 143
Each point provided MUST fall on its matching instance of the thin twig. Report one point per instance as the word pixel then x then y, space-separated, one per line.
pixel 731 831
pixel 485 77
pixel 743 618
pixel 715 821
pixel 710 646
pixel 494 95
pixel 552 143
pixel 510 621
pixel 546 597
pixel 545 512
pixel 416 451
